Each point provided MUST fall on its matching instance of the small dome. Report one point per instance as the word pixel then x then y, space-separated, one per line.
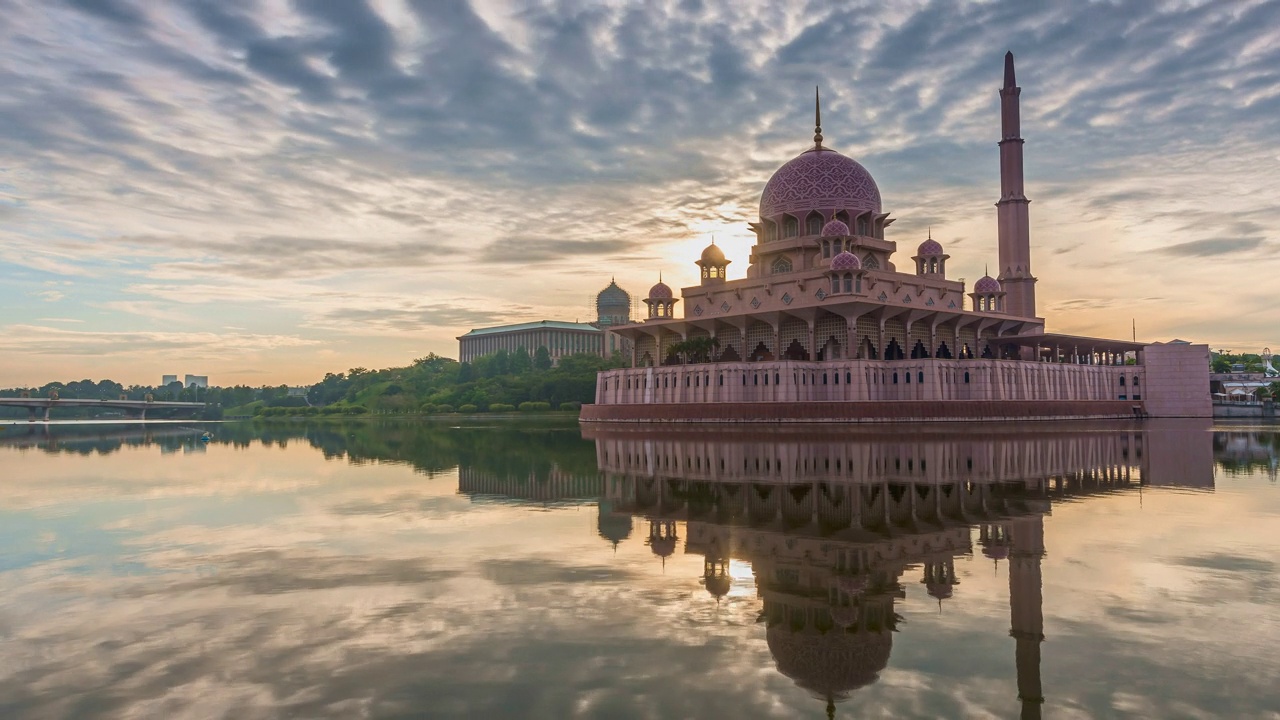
pixel 996 551
pixel 663 546
pixel 835 228
pixel 660 292
pixel 719 585
pixel 929 248
pixel 846 261
pixel 713 255
pixel 941 591
pixel 986 284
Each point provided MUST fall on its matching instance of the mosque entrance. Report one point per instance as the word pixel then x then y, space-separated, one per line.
pixel 795 351
pixel 893 351
pixel 867 351
pixel 761 354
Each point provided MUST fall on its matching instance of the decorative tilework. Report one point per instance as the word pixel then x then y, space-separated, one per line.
pixel 821 293
pixel 755 302
pixel 786 298
pixel 724 306
pixel 697 309
pixel 824 178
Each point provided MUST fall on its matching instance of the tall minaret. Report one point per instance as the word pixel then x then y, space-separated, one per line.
pixel 1014 230
pixel 1026 617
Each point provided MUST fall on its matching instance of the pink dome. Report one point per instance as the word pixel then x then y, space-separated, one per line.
pixel 835 228
pixel 929 248
pixel 986 284
pixel 846 261
pixel 660 292
pixel 819 179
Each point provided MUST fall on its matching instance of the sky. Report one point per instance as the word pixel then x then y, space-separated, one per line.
pixel 264 191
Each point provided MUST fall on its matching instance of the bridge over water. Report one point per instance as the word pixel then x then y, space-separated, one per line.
pixel 136 408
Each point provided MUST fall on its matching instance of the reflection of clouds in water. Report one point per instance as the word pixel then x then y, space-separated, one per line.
pixel 280 584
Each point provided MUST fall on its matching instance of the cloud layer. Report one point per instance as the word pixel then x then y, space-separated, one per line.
pixel 280 165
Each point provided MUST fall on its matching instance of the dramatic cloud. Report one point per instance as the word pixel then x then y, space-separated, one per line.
pixel 247 162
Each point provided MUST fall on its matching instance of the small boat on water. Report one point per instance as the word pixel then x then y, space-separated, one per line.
pixel 206 437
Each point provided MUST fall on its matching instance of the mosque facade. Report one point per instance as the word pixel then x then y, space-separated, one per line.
pixel 825 325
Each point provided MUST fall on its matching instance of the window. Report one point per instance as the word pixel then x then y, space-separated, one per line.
pixel 791 227
pixel 835 284
pixel 895 378
pixel 871 263
pixel 1121 383
pixel 781 265
pixel 1135 381
pixel 813 224
pixel 966 378
pixel 826 248
pixel 848 282
pixel 848 378
pixel 920 377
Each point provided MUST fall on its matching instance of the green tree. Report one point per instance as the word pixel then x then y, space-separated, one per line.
pixel 542 359
pixel 521 363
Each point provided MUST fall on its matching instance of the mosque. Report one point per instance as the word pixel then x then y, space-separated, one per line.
pixel 825 326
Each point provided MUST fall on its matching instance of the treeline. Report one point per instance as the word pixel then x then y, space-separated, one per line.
pixel 502 381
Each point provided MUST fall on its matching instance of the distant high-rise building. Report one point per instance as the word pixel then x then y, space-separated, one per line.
pixel 200 381
pixel 168 379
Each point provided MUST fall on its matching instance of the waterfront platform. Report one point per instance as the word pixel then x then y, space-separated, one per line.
pixel 892 411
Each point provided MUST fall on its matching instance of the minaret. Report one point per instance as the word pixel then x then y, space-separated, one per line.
pixel 1026 616
pixel 1014 272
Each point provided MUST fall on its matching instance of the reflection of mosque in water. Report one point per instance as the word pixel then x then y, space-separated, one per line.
pixel 834 520
pixel 832 524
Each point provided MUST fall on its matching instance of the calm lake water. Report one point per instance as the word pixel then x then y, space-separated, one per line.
pixel 519 569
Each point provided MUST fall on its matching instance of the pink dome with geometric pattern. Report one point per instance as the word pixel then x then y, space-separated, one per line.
pixel 835 228
pixel 660 292
pixel 987 284
pixel 819 179
pixel 846 261
pixel 929 248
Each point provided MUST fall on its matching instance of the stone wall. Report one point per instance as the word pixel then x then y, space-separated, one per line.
pixel 1177 380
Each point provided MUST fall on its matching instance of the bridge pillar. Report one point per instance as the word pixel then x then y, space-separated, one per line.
pixel 31 414
pixel 142 414
pixel 47 410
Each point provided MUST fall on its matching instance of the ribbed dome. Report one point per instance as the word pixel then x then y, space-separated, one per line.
pixel 713 255
pixel 660 292
pixel 986 284
pixel 929 248
pixel 835 228
pixel 846 261
pixel 831 664
pixel 613 295
pixel 817 180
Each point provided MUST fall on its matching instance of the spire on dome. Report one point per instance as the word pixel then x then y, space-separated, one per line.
pixel 1009 80
pixel 817 119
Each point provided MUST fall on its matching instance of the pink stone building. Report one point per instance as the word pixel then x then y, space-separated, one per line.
pixel 826 326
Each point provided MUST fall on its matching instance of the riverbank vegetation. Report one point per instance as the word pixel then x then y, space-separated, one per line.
pixel 502 382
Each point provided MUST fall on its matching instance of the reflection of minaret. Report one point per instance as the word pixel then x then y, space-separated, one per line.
pixel 1026 537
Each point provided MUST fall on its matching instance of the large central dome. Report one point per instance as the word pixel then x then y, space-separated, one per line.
pixel 819 179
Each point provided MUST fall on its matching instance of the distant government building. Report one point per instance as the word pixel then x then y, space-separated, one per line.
pixel 825 327
pixel 613 308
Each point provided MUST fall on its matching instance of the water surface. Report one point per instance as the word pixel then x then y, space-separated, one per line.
pixel 522 569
